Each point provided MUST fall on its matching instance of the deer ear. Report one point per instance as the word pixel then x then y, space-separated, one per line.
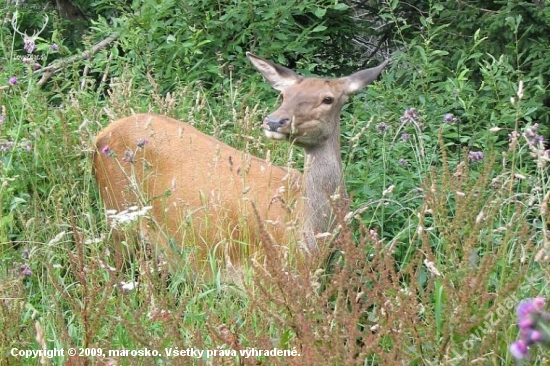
pixel 279 77
pixel 360 79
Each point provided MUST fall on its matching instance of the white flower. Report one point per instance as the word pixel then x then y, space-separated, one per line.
pixel 128 286
pixel 128 216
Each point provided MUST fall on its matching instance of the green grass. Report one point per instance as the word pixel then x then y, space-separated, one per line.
pixel 415 277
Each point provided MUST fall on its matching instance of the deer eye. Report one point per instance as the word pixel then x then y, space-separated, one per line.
pixel 328 100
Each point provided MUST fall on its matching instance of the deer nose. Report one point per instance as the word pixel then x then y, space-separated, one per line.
pixel 274 123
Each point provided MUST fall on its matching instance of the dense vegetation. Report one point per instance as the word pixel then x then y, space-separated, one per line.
pixel 446 161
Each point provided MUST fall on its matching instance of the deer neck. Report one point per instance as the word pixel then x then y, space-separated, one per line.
pixel 323 182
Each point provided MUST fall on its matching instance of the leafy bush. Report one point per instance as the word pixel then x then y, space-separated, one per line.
pixel 447 173
pixel 192 41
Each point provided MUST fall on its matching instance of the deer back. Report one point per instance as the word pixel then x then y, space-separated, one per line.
pixel 200 189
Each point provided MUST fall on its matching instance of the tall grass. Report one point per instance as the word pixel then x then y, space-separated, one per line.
pixel 427 272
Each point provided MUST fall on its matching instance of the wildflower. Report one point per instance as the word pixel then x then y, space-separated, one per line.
pixel 381 127
pixel 128 156
pixel 94 240
pixel 128 286
pixel 410 115
pixel 29 45
pixel 402 162
pixel 526 323
pixel 54 47
pixel 25 254
pixel 107 151
pixel 126 217
pixel 6 146
pixel 142 142
pixel 404 136
pixel 530 306
pixel 22 269
pixel 519 349
pixel 533 324
pixel 12 80
pixel 28 147
pixel 449 118
pixel 536 336
pixel 532 136
pixel 474 156
pixel 25 270
pixel 30 61
pixel 520 176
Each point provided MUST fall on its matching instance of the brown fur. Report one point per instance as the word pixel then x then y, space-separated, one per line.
pixel 201 189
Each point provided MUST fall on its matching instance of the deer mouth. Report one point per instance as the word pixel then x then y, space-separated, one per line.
pixel 275 135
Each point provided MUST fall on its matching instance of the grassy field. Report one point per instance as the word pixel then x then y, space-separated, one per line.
pixel 445 242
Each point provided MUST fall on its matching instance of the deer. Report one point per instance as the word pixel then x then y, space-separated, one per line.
pixel 203 194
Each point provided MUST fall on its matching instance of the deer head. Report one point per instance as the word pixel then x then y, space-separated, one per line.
pixel 309 117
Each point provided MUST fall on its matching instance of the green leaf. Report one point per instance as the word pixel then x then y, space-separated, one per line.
pixel 340 6
pixel 320 12
pixel 281 36
pixel 187 44
pixel 319 28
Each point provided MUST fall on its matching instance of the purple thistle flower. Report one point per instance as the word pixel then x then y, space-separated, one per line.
pixel 6 146
pixel 526 322
pixel 107 151
pixel 381 127
pixel 533 138
pixel 536 336
pixel 539 303
pixel 29 45
pixel 474 156
pixel 30 61
pixel 142 142
pixel 530 306
pixel 22 269
pixel 26 271
pixel 404 136
pixel 410 115
pixel 402 162
pixel 12 80
pixel 519 349
pixel 533 325
pixel 128 157
pixel 449 118
pixel 54 47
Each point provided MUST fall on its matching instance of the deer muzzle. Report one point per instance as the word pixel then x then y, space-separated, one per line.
pixel 273 127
